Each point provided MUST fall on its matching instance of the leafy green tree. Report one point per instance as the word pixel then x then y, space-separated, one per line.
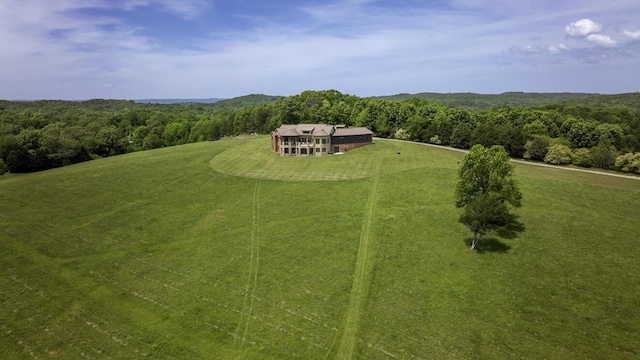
pixel 486 170
pixel 537 148
pixel 461 136
pixel 486 134
pixel 176 133
pixel 137 139
pixel 152 141
pixel 611 133
pixel 582 134
pixel 485 181
pixel 558 155
pixel 513 139
pixel 603 156
pixel 483 215
pixel 536 128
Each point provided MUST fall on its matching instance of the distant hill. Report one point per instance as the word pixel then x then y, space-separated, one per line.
pixel 486 101
pixel 179 101
pixel 630 100
pixel 233 104
pixel 247 101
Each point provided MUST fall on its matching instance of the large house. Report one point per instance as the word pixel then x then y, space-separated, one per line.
pixel 317 139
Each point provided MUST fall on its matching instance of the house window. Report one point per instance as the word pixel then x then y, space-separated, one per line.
pixel 311 151
pixel 286 150
pixel 303 151
pixel 324 141
pixel 324 150
pixel 286 141
pixel 317 150
pixel 317 141
pixel 293 151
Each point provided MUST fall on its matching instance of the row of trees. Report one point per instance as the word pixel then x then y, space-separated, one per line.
pixel 45 134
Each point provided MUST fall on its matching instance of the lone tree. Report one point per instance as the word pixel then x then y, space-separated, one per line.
pixel 486 190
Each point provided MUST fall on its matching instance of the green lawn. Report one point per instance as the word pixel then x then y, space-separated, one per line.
pixel 225 250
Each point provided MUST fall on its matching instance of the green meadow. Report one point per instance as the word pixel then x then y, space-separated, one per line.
pixel 225 250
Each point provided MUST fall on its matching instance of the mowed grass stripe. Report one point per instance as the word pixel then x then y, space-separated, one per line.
pixel 361 277
pixel 254 261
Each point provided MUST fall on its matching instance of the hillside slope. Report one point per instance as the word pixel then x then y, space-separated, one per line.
pixel 207 251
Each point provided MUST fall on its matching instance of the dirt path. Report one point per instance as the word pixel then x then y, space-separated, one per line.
pixel 361 277
pixel 254 261
pixel 525 162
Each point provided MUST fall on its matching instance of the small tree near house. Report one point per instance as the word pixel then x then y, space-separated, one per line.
pixel 486 190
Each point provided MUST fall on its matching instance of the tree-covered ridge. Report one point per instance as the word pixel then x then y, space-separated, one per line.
pixel 44 134
pixel 522 99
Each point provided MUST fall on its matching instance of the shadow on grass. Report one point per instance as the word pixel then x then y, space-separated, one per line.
pixel 512 229
pixel 488 245
pixel 493 245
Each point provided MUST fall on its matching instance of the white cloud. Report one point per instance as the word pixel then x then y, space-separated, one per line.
pixel 582 28
pixel 557 49
pixel 602 40
pixel 50 50
pixel 633 35
pixel 527 49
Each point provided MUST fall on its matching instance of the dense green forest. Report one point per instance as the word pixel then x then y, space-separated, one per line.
pixel 487 101
pixel 600 131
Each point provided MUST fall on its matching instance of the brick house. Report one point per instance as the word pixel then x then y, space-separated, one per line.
pixel 318 139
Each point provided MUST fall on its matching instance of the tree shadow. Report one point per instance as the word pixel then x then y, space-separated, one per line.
pixel 488 245
pixel 512 228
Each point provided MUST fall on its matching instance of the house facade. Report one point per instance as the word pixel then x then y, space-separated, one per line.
pixel 318 139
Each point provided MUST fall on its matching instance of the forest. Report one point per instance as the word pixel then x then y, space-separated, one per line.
pixel 601 131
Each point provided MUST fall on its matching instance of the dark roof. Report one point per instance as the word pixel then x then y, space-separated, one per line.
pixel 352 131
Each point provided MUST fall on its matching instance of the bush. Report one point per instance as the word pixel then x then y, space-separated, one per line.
pixel 628 162
pixel 401 134
pixel 582 157
pixel 558 155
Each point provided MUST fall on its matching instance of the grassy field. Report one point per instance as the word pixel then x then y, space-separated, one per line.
pixel 225 250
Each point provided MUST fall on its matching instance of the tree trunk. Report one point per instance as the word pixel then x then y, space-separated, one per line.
pixel 474 242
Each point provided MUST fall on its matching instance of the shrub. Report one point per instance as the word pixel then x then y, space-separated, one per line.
pixel 582 157
pixel 558 155
pixel 402 134
pixel 628 162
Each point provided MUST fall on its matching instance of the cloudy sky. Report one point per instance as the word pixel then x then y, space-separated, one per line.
pixel 133 49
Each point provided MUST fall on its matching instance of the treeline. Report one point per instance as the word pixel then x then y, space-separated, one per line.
pixel 45 134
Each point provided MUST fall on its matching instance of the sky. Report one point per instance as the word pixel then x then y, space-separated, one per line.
pixel 141 49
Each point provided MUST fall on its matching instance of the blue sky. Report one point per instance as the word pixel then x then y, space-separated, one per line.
pixel 133 49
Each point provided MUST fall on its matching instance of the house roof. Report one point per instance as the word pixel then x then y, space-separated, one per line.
pixel 306 129
pixel 320 130
pixel 352 131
